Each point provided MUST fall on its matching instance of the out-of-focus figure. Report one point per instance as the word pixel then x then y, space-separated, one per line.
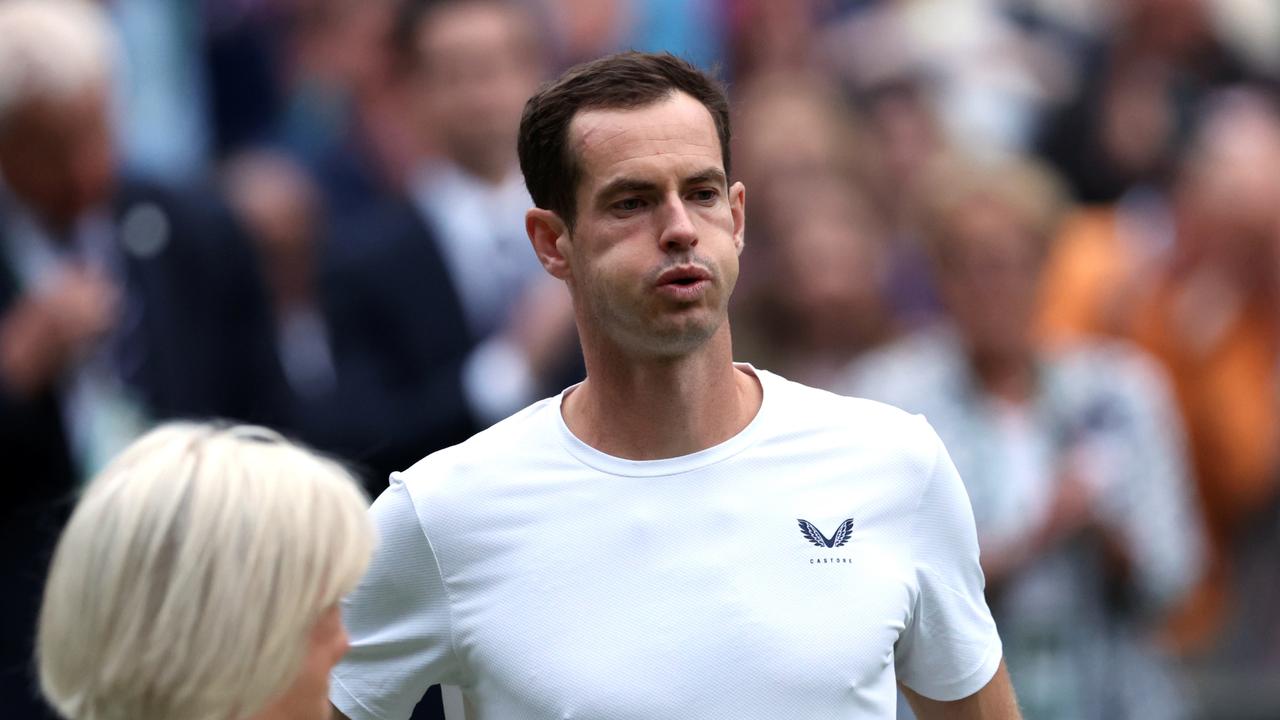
pixel 809 299
pixel 1139 90
pixel 820 304
pixel 1073 459
pixel 281 207
pixel 199 578
pixel 121 302
pixel 1204 298
pixel 443 321
pixel 344 111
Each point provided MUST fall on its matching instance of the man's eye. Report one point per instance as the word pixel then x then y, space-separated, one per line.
pixel 628 205
pixel 704 195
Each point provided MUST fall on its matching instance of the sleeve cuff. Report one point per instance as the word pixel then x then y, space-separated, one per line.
pixel 967 685
pixel 346 703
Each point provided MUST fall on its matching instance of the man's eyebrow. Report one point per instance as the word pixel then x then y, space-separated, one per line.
pixel 619 186
pixel 710 175
pixel 625 185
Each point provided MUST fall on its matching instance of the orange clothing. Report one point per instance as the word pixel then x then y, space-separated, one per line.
pixel 1222 353
pixel 1079 285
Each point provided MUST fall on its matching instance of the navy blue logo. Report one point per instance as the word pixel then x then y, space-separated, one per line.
pixel 815 536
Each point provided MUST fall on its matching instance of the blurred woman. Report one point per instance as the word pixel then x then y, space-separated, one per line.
pixel 1073 457
pixel 199 578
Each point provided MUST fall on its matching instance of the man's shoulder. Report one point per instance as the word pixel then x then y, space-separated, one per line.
pixel 857 422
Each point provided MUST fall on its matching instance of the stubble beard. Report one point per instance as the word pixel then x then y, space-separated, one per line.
pixel 648 327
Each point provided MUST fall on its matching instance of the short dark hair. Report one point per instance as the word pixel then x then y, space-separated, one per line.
pixel 618 82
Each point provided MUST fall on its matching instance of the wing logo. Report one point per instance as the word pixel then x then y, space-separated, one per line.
pixel 815 536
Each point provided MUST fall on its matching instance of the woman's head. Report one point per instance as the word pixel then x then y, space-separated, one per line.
pixel 198 579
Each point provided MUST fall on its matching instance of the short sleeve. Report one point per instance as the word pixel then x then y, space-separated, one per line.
pixel 398 620
pixel 950 648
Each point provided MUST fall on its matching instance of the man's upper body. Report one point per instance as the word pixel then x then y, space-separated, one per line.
pixel 629 550
pixel 549 579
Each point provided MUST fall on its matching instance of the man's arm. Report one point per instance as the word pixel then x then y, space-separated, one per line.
pixel 995 701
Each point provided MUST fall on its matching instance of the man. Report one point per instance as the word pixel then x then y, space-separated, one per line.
pixel 630 549
pixel 500 331
pixel 120 303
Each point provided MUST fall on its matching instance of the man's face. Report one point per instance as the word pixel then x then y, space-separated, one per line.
pixel 653 256
pixel 57 155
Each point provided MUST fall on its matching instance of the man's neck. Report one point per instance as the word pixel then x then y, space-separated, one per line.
pixel 655 409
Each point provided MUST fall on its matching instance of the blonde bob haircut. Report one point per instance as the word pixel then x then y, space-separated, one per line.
pixel 192 572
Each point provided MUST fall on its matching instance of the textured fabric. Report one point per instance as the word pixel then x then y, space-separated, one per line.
pixel 795 570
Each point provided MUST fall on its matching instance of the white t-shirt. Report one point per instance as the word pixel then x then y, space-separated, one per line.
pixel 550 580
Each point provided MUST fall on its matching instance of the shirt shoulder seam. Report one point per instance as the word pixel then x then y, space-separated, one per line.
pixel 444 585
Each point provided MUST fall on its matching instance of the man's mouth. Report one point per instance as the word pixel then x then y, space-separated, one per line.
pixel 684 276
pixel 684 283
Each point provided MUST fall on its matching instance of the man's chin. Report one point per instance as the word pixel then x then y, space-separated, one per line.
pixel 684 336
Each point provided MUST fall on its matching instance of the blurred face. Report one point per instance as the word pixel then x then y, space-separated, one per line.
pixel 653 257
pixel 57 155
pixel 831 269
pixel 478 65
pixel 278 203
pixel 1228 198
pixel 308 697
pixel 988 272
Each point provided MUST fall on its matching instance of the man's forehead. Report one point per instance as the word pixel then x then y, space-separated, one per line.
pixel 677 126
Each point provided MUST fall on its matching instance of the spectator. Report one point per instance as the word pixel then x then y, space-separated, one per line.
pixel 281 206
pixel 121 302
pixel 443 320
pixel 820 304
pixel 345 112
pixel 1073 459
pixel 1211 314
pixel 1139 92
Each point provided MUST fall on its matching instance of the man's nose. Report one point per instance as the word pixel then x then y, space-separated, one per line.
pixel 678 231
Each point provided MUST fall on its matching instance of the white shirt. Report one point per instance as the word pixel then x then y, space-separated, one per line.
pixel 550 580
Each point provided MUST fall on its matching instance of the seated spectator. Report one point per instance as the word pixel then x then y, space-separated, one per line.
pixel 1073 459
pixel 121 302
pixel 199 578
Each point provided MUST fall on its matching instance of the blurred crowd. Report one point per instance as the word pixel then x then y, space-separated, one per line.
pixel 1051 226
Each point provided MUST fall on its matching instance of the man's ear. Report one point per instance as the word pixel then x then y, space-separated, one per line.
pixel 738 206
pixel 546 233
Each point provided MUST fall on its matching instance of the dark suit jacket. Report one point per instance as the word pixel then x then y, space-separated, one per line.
pixel 400 339
pixel 200 345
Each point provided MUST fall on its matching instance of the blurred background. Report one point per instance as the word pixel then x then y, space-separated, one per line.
pixel 1051 226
